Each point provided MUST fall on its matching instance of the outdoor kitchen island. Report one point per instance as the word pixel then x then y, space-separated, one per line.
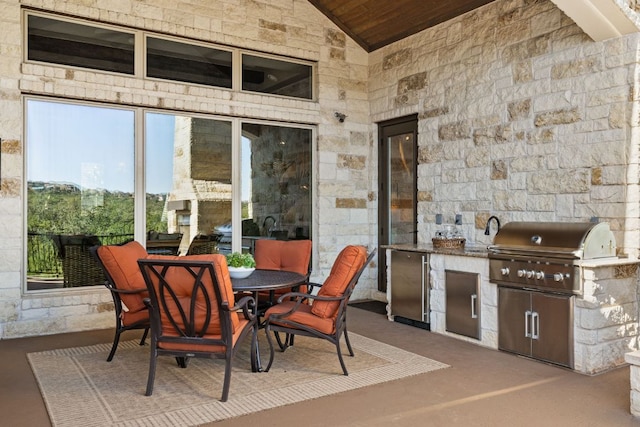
pixel 603 316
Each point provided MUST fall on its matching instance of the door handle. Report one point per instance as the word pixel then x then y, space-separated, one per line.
pixel 527 315
pixel 535 325
pixel 474 298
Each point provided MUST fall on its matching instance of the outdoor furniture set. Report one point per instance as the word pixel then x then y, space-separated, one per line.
pixel 193 307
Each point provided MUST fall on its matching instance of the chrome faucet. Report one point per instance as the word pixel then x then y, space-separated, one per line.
pixel 487 229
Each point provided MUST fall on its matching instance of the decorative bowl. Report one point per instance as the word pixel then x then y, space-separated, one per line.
pixel 240 272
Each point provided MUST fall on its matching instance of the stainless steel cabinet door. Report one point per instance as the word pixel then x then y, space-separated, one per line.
pixel 409 285
pixel 463 306
pixel 552 328
pixel 514 313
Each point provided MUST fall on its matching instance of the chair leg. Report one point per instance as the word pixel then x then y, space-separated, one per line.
pixel 344 368
pixel 152 372
pixel 346 338
pixel 271 351
pixel 227 378
pixel 254 349
pixel 283 344
pixel 114 346
pixel 144 336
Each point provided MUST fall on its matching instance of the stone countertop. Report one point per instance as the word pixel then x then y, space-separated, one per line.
pixel 471 250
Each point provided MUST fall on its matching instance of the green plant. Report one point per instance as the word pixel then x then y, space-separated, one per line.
pixel 236 259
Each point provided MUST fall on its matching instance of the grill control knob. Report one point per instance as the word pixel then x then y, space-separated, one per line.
pixel 558 277
pixel 504 271
pixel 521 273
pixel 539 275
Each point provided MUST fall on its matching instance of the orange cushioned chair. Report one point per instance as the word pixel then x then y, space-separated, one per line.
pixel 326 317
pixel 194 313
pixel 128 290
pixel 285 255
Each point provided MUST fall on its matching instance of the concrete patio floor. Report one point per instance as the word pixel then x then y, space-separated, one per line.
pixel 482 387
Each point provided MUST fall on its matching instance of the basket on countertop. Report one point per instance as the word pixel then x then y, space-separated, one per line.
pixel 448 243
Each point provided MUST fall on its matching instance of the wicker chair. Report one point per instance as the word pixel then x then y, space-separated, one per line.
pixel 326 317
pixel 194 313
pixel 203 244
pixel 79 267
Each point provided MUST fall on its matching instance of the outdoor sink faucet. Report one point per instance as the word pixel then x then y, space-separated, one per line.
pixel 487 229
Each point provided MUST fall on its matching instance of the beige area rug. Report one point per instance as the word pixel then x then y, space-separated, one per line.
pixel 81 389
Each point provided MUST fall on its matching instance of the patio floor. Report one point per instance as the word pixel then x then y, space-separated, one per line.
pixel 481 388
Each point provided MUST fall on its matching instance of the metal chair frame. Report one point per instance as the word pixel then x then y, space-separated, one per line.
pixel 191 326
pixel 291 328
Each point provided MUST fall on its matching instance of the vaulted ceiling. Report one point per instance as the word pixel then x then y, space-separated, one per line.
pixel 376 23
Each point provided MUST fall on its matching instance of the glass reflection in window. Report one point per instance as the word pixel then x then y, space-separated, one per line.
pixel 276 182
pixel 188 184
pixel 80 183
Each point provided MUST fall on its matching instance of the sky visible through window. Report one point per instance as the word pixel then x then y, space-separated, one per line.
pixel 93 147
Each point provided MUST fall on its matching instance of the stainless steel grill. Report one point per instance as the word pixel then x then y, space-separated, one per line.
pixel 546 255
pixel 537 268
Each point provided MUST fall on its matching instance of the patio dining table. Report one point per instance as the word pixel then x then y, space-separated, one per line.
pixel 266 280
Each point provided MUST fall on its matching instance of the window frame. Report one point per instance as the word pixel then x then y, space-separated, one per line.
pixel 140 55
pixel 140 186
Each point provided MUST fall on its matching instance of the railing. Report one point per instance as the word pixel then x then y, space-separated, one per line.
pixel 43 257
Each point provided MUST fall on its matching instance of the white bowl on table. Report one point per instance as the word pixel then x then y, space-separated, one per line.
pixel 240 272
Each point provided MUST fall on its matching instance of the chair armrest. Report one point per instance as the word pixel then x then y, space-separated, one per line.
pixel 244 304
pixel 294 295
pixel 127 291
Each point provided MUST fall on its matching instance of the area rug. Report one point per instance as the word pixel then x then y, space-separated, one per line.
pixel 81 389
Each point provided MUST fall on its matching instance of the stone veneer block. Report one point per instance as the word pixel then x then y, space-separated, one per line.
pixel 633 359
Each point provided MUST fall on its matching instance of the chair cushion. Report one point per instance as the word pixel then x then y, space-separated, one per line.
pixel 184 293
pixel 194 346
pixel 302 315
pixel 290 255
pixel 122 264
pixel 345 267
pixel 287 255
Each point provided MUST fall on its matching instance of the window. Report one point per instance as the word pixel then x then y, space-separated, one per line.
pixel 68 43
pixel 276 182
pixel 82 186
pixel 188 176
pixel 108 48
pixel 276 77
pixel 188 63
pixel 80 181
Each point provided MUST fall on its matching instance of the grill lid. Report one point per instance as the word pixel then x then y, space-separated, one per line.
pixel 578 240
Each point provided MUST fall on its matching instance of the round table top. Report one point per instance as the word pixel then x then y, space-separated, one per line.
pixel 265 280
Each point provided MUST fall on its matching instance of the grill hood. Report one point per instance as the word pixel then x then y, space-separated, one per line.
pixel 573 240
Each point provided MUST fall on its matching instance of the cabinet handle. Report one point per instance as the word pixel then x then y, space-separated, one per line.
pixel 527 315
pixel 474 298
pixel 535 325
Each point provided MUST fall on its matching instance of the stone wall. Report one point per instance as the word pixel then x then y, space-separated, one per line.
pixel 285 27
pixel 521 115
pixel 606 317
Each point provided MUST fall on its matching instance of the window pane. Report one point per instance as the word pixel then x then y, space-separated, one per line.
pixel 80 181
pixel 276 77
pixel 188 184
pixel 188 63
pixel 276 183
pixel 67 43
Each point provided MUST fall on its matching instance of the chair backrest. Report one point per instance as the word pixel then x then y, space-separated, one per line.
pixel 190 299
pixel 344 275
pixel 289 255
pixel 121 269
